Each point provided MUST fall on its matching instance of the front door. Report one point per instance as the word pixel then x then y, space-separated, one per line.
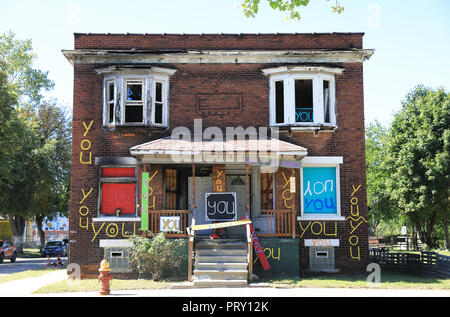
pixel 237 184
pixel 203 185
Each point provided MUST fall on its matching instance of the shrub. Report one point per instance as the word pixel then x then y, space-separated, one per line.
pixel 158 256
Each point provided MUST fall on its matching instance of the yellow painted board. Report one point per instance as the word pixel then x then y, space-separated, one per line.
pixel 221 225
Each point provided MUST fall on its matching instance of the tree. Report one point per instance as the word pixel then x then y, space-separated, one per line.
pixel 380 206
pixel 16 152
pixel 418 161
pixel 251 7
pixel 18 59
pixel 52 165
pixel 22 85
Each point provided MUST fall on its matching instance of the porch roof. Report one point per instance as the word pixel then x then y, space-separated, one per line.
pixel 169 146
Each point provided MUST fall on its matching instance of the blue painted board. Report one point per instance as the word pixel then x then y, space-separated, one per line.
pixel 319 190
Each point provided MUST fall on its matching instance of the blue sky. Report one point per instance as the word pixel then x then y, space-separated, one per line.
pixel 411 38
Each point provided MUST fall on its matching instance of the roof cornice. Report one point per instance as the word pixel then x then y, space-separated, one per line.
pixel 88 56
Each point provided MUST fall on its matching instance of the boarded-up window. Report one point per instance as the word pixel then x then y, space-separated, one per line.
pixel 118 196
pixel 118 172
pixel 171 189
pixel 266 191
pixel 118 187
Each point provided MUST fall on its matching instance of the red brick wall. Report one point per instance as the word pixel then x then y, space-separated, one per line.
pixel 217 41
pixel 249 89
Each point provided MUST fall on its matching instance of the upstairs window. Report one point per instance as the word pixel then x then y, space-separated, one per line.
pixel 136 97
pixel 279 101
pixel 304 111
pixel 302 96
pixel 110 101
pixel 134 103
pixel 159 103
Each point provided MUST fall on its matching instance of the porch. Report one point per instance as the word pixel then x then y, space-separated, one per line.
pixel 201 200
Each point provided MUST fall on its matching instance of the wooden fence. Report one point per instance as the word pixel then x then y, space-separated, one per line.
pixel 430 264
pixel 155 217
pixel 280 223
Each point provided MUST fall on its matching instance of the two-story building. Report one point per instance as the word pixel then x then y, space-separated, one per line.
pixel 176 130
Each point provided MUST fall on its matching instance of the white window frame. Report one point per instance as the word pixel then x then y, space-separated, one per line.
pixel 149 78
pixel 165 98
pixel 106 102
pixel 143 102
pixel 288 76
pixel 321 161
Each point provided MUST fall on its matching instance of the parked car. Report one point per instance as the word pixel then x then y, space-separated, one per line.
pixel 7 251
pixel 54 248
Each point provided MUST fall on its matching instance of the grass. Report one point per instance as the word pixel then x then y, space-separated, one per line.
pixel 30 253
pixel 92 285
pixel 25 274
pixel 388 281
pixel 442 252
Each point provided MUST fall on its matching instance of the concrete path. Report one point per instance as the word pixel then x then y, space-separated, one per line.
pixel 265 292
pixel 26 286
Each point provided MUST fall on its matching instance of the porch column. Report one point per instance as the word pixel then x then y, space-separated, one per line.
pixel 218 178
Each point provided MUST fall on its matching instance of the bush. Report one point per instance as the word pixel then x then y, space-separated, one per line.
pixel 157 257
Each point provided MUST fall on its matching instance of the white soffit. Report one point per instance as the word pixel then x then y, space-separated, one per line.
pixel 218 56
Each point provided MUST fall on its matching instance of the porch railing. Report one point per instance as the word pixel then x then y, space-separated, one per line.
pixel 155 219
pixel 280 223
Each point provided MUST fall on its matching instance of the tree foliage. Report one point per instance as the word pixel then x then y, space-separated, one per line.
pixel 418 161
pixel 52 161
pixel 382 210
pixel 291 7
pixel 18 59
pixel 35 138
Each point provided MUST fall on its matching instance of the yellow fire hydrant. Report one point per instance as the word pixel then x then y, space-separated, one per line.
pixel 105 277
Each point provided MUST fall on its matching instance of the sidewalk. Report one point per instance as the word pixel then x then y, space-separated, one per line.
pixel 263 292
pixel 26 286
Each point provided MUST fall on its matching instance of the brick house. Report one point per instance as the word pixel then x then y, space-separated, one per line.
pixel 172 131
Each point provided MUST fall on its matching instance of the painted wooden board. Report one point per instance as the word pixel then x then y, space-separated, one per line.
pixel 258 248
pixel 221 225
pixel 144 201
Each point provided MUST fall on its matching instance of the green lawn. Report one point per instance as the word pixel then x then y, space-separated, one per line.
pixel 25 274
pixel 30 253
pixel 442 252
pixel 388 281
pixel 92 285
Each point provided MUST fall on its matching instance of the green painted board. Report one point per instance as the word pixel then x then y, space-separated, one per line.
pixel 144 202
pixel 282 254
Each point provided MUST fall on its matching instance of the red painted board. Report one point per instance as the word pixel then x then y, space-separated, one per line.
pixel 122 195
pixel 258 248
pixel 118 172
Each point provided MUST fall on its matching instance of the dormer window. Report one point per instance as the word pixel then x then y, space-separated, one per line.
pixel 302 96
pixel 136 97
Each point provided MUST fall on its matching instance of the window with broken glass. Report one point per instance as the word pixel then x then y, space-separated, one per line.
pixel 131 100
